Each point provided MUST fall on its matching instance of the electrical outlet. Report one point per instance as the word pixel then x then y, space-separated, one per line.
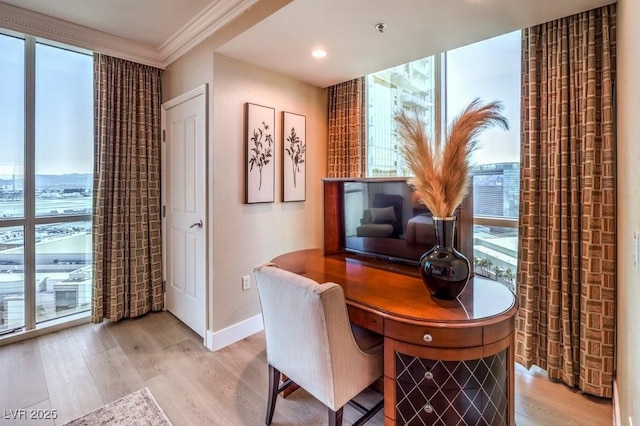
pixel 246 282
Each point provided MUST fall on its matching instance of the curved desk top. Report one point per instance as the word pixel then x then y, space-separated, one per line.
pixel 388 290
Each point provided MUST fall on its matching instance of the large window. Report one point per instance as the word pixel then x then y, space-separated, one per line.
pixel 412 85
pixel 438 88
pixel 46 116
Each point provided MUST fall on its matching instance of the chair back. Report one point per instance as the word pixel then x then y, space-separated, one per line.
pixel 307 330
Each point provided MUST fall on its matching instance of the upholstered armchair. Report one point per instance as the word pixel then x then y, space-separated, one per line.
pixel 310 340
pixel 384 218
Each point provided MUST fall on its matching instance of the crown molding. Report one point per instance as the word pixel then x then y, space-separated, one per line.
pixel 214 17
pixel 38 25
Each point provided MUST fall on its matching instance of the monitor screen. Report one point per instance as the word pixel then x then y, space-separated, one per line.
pixel 384 219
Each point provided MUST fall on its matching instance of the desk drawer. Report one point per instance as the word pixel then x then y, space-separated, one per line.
pixel 438 407
pixel 366 319
pixel 434 337
pixel 429 373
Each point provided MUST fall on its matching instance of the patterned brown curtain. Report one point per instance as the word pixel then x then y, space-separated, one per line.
pixel 567 251
pixel 127 260
pixel 347 125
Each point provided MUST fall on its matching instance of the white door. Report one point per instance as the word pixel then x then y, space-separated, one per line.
pixel 184 195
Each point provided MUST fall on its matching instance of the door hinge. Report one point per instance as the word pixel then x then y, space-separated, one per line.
pixel 164 211
pixel 164 286
pixel 164 136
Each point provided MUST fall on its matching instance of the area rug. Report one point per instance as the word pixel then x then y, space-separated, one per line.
pixel 137 408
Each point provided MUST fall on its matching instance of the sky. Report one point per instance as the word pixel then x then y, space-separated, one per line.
pixel 490 70
pixel 64 109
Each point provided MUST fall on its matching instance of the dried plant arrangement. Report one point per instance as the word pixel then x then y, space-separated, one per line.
pixel 442 170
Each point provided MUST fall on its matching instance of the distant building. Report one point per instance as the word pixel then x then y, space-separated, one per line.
pixel 63 276
pixel 496 194
pixel 409 86
pixel 496 190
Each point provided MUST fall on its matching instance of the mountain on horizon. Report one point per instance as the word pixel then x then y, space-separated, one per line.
pixel 66 181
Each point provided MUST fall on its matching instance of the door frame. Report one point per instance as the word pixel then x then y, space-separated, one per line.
pixel 198 91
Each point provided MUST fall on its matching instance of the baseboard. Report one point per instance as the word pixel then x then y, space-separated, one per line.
pixel 227 336
pixel 616 405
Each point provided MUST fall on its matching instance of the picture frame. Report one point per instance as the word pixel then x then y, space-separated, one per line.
pixel 260 154
pixel 294 157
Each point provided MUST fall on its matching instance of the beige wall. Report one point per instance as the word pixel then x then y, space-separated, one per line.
pixel 628 283
pixel 240 235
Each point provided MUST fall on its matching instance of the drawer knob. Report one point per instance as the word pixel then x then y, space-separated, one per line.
pixel 427 338
pixel 428 375
pixel 428 408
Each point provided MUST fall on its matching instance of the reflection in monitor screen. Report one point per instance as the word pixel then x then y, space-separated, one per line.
pixel 384 219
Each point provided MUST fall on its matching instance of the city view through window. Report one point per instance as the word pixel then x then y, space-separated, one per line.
pixel 489 70
pixel 46 182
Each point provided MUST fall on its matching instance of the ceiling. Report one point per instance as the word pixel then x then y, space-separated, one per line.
pixel 148 22
pixel 159 31
pixel 415 29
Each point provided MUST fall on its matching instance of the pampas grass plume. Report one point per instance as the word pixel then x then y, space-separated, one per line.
pixel 442 170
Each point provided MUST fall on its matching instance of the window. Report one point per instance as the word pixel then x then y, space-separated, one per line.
pixel 46 113
pixel 411 85
pixel 495 74
pixel 489 69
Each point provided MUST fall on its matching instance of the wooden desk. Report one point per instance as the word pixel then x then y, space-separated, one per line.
pixel 445 361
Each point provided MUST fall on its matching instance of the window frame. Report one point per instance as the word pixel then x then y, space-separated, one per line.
pixel 30 220
pixel 441 119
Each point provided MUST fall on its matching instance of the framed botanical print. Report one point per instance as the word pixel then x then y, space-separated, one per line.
pixel 294 156
pixel 259 154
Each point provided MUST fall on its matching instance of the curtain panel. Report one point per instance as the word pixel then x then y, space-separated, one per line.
pixel 347 125
pixel 567 252
pixel 127 257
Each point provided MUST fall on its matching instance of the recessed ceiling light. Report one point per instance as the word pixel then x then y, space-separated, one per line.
pixel 319 53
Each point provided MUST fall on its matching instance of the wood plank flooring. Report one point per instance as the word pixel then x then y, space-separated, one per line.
pixel 83 368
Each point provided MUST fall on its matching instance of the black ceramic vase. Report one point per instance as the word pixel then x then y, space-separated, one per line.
pixel 444 270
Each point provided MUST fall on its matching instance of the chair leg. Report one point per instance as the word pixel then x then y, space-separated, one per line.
pixel 335 417
pixel 274 380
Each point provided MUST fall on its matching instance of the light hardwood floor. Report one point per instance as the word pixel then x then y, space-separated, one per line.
pixel 80 369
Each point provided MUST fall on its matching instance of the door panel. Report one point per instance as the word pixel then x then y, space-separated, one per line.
pixel 184 222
